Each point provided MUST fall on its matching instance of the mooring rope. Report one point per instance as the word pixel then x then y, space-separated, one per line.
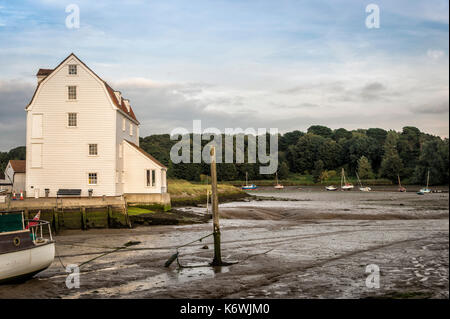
pixel 133 243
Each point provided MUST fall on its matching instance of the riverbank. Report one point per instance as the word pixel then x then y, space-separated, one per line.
pixel 184 193
pixel 317 244
pixel 308 180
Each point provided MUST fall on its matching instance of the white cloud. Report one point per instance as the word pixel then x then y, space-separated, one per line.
pixel 435 54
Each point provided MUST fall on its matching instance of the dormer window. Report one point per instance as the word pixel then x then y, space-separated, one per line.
pixel 72 69
pixel 72 92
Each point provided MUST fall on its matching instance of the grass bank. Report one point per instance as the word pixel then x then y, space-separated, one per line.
pixel 184 193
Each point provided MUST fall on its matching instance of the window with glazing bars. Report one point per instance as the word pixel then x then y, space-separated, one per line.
pixel 72 90
pixel 72 69
pixel 93 149
pixel 72 119
pixel 92 178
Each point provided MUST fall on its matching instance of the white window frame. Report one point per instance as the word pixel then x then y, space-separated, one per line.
pixel 34 134
pixel 33 157
pixel 95 146
pixel 74 94
pixel 70 69
pixel 148 177
pixel 68 120
pixel 152 177
pixel 89 178
pixel 124 124
pixel 131 129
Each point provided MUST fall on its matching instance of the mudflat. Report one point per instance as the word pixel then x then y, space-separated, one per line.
pixel 306 243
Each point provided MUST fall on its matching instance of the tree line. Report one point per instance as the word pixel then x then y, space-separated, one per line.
pixel 321 152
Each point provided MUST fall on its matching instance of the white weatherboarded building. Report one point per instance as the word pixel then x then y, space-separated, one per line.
pixel 83 135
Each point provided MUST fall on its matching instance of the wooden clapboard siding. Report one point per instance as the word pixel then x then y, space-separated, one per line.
pixel 64 161
pixel 65 156
pixel 135 166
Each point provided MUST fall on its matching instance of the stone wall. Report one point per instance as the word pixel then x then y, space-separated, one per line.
pixel 85 212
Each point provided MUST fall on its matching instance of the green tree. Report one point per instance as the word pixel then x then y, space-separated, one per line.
pixel 318 169
pixel 409 144
pixel 303 154
pixel 341 133
pixel 359 145
pixel 378 134
pixel 321 131
pixel 434 157
pixel 290 138
pixel 364 168
pixel 391 165
pixel 283 170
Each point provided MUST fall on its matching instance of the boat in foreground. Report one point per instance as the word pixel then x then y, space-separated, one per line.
pixel 26 247
pixel 331 188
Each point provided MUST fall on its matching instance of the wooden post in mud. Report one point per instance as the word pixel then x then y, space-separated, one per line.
pixel 217 261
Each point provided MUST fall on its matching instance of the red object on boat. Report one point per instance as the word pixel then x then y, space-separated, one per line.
pixel 37 217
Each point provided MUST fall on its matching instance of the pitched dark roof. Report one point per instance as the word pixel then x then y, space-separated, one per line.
pixel 19 166
pixel 118 104
pixel 146 154
pixel 44 72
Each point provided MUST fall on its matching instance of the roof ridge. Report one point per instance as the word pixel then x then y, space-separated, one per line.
pixel 47 72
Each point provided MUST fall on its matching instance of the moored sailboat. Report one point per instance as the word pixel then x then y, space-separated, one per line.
pixel 400 187
pixel 361 188
pixel 277 185
pixel 345 186
pixel 426 190
pixel 247 186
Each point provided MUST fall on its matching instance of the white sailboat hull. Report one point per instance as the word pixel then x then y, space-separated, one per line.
pixel 26 262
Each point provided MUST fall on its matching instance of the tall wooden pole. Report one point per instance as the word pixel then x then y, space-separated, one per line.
pixel 217 261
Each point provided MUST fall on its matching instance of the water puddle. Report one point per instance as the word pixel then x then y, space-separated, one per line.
pixel 156 282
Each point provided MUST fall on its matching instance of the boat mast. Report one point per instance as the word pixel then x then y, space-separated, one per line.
pixel 276 176
pixel 399 183
pixel 428 177
pixel 246 178
pixel 342 176
pixel 359 181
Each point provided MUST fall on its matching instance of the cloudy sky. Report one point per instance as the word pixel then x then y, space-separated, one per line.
pixel 238 63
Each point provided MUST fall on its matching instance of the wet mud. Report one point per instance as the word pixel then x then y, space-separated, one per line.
pixel 307 244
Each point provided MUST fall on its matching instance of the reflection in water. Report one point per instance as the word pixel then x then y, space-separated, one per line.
pixel 173 277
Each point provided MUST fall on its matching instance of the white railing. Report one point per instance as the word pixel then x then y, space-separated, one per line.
pixel 36 229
